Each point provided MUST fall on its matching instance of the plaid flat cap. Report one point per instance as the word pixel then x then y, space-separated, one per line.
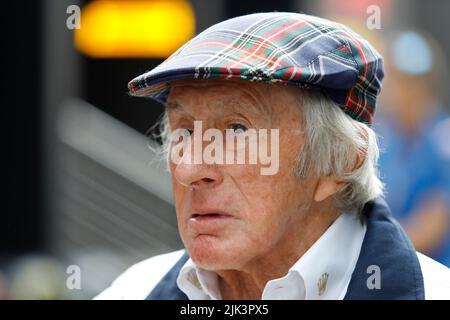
pixel 277 47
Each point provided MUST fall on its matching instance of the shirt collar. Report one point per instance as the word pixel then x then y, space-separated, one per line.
pixel 327 266
pixel 323 272
pixel 197 283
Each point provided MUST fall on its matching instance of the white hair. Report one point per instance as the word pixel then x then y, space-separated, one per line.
pixel 334 144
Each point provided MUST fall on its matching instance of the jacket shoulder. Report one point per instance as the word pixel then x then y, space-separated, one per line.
pixel 436 278
pixel 139 280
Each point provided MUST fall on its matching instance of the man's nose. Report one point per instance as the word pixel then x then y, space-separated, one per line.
pixel 197 175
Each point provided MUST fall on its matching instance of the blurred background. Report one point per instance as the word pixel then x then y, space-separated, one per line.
pixel 83 196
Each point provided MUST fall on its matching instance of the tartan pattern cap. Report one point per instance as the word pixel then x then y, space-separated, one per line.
pixel 277 47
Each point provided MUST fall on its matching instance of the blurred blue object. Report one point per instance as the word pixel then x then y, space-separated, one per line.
pixel 406 43
pixel 413 167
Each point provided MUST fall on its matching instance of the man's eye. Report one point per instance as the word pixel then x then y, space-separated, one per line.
pixel 187 132
pixel 237 128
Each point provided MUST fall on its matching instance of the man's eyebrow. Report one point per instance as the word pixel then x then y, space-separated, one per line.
pixel 234 104
pixel 171 105
pixel 254 105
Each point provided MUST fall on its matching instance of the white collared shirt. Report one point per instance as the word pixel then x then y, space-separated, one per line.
pixel 323 272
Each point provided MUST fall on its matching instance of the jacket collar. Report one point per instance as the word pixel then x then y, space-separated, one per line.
pixel 388 267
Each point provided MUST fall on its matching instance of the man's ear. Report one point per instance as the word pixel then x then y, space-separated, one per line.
pixel 327 186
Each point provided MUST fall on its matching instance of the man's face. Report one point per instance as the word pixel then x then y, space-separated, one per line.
pixel 230 215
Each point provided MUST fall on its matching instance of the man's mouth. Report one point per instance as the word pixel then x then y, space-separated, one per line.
pixel 209 221
pixel 207 216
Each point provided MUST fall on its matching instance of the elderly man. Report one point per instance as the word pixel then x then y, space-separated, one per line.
pixel 314 225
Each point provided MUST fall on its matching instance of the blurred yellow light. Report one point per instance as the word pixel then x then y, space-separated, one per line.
pixel 119 28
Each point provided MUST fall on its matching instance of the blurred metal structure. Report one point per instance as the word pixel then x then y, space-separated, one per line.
pixel 112 194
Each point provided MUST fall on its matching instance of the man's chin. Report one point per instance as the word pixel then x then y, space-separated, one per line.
pixel 210 253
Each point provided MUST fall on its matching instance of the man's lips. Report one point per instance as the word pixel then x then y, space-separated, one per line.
pixel 208 222
pixel 205 213
pixel 212 215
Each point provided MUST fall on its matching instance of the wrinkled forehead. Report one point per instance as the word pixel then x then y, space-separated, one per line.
pixel 263 97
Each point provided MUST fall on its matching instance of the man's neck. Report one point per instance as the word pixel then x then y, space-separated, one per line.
pixel 250 281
